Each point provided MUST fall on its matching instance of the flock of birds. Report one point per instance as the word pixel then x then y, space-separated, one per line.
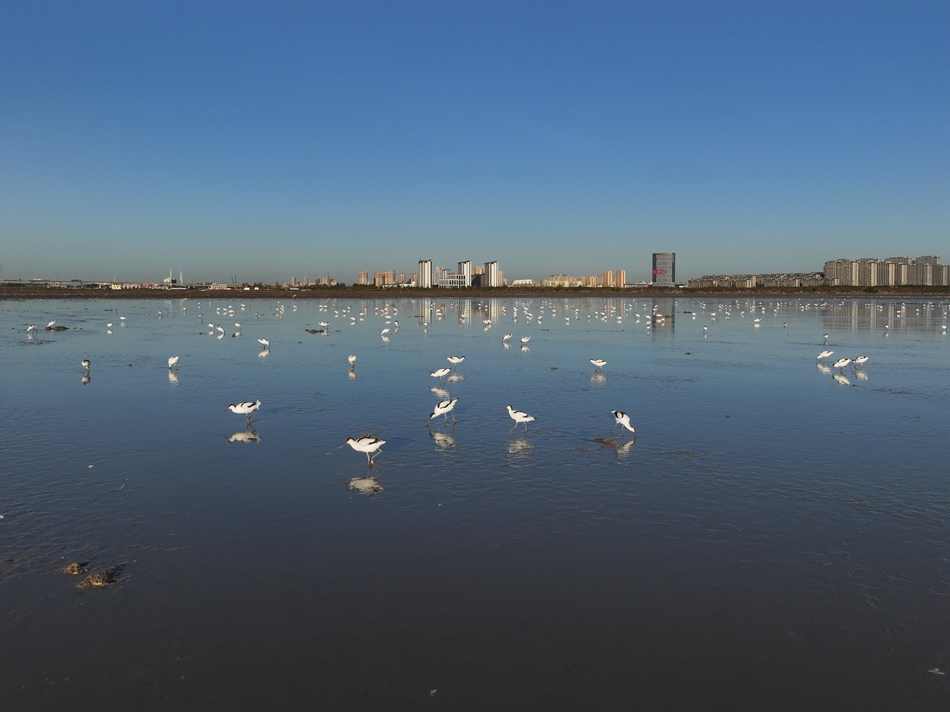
pixel 371 445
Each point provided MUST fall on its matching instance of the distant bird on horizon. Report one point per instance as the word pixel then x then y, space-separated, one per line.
pixel 825 354
pixel 455 360
pixel 86 364
pixel 861 360
pixel 599 363
pixel 841 363
pixel 264 342
pixel 351 359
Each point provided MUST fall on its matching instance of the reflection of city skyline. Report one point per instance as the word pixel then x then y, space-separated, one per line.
pixel 660 312
pixel 899 317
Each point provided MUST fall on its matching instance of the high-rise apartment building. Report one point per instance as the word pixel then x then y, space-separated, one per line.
pixel 664 269
pixel 890 272
pixel 364 277
pixel 492 275
pixel 607 278
pixel 621 278
pixel 424 276
pixel 465 273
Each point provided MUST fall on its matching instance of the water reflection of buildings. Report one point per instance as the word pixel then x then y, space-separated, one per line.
pixel 898 317
pixel 663 315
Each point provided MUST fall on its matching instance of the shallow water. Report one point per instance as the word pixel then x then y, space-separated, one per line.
pixel 772 538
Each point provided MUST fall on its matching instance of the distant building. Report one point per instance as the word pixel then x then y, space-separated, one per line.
pixel 607 278
pixel 465 272
pixel 621 278
pixel 364 277
pixel 664 269
pixel 424 275
pixel 493 277
pixel 889 272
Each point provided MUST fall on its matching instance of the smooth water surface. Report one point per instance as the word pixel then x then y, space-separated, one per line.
pixel 774 537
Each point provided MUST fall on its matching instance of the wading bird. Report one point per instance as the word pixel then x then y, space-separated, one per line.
pixel 245 408
pixel 443 408
pixel 519 416
pixel 623 419
pixel 366 444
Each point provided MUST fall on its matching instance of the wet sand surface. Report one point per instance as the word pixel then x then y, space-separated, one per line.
pixel 772 539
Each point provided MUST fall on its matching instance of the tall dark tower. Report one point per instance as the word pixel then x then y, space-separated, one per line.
pixel 664 269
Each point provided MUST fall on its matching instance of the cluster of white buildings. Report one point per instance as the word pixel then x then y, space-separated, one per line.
pixel 887 272
pixel 430 276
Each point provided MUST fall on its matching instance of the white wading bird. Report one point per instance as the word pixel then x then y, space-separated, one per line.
pixel 245 408
pixel 366 444
pixel 623 419
pixel 443 408
pixel 519 416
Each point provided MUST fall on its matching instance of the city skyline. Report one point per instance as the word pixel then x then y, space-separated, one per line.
pixel 236 139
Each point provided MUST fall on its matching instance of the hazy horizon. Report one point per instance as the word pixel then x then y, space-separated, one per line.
pixel 264 142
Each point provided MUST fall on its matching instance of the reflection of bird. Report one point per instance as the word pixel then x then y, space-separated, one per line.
pixel 172 377
pixel 365 485
pixel 519 416
pixel 440 373
pixel 826 370
pixel 264 342
pixel 825 354
pixel 861 360
pixel 842 379
pixel 841 363
pixel 246 436
pixel 455 360
pixel 172 362
pixel 599 363
pixel 366 444
pixel 443 441
pixel 245 408
pixel 443 408
pixel 861 375
pixel 440 392
pixel 623 419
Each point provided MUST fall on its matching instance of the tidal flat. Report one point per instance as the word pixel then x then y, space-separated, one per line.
pixel 773 536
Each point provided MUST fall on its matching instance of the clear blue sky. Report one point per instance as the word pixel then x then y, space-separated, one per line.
pixel 275 139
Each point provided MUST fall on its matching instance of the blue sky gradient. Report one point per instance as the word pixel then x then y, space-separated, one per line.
pixel 266 140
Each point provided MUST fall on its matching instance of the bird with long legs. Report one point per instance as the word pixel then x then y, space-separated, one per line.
pixel 245 408
pixel 519 416
pixel 443 408
pixel 366 444
pixel 622 419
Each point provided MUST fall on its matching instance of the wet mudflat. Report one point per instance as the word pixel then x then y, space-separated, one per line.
pixel 773 537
